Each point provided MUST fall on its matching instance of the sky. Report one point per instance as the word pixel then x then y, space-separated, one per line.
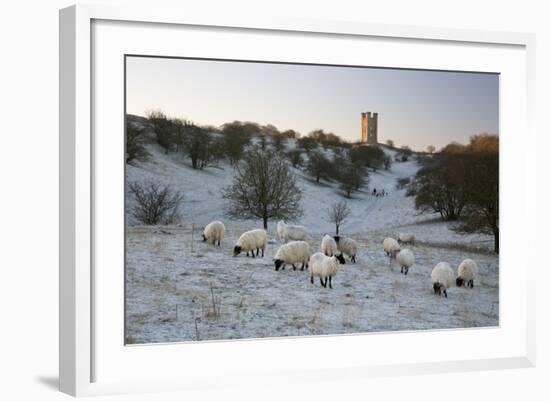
pixel 415 107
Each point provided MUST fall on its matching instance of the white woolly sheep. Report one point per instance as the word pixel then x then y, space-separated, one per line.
pixel 443 277
pixel 287 232
pixel 214 231
pixel 405 258
pixel 251 241
pixel 324 267
pixel 347 246
pixel 291 253
pixel 391 247
pixel 466 273
pixel 406 238
pixel 328 245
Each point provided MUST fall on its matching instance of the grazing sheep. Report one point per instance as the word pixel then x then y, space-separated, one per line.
pixel 391 247
pixel 404 238
pixel 405 258
pixel 347 246
pixel 328 245
pixel 325 267
pixel 287 232
pixel 213 231
pixel 250 241
pixel 443 277
pixel 466 273
pixel 291 253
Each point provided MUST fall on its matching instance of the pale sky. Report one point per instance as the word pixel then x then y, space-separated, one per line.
pixel 415 107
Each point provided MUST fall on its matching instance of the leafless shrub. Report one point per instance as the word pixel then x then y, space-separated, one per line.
pixel 155 204
pixel 338 212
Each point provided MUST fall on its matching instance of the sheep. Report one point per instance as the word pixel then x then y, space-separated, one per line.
pixel 291 253
pixel 405 258
pixel 347 246
pixel 251 241
pixel 287 232
pixel 214 231
pixel 325 267
pixel 403 238
pixel 466 273
pixel 328 245
pixel 443 277
pixel 391 247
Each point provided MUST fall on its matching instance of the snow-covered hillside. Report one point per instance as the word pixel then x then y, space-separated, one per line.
pixel 170 269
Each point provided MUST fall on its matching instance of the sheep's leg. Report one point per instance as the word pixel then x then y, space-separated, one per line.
pixel 401 269
pixel 311 279
pixel 445 292
pixel 262 252
pixel 247 254
pixel 219 243
pixel 353 258
pixel 406 270
pixel 253 254
pixel 322 283
pixel 303 265
pixel 330 282
pixel 293 267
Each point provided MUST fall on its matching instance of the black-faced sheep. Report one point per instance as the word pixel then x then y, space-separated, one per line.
pixel 347 246
pixel 251 241
pixel 405 258
pixel 213 232
pixel 328 245
pixel 443 278
pixel 391 247
pixel 325 267
pixel 467 272
pixel 291 253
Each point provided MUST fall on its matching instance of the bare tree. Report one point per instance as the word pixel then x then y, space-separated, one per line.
pixel 338 213
pixel 430 148
pixel 155 204
pixel 352 176
pixel 481 212
pixel 318 165
pixel 163 129
pixel 236 136
pixel 135 148
pixel 390 143
pixel 295 157
pixel 202 147
pixel 278 141
pixel 263 187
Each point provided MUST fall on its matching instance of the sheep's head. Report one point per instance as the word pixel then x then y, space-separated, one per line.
pixel 336 238
pixel 340 258
pixel 278 264
pixel 460 282
pixel 394 252
pixel 203 238
pixel 438 288
pixel 237 250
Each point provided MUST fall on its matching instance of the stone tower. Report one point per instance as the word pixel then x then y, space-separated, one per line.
pixel 369 128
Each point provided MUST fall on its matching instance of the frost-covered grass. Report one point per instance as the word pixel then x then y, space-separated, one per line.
pixel 167 274
pixel 180 289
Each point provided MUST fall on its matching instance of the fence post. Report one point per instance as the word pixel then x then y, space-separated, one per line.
pixel 192 237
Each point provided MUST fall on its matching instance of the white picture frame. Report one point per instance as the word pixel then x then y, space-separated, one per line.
pixel 86 350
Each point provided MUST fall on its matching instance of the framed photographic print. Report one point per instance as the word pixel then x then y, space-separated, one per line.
pixel 256 191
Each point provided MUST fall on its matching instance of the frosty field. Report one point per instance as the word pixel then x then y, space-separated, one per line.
pixel 181 289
